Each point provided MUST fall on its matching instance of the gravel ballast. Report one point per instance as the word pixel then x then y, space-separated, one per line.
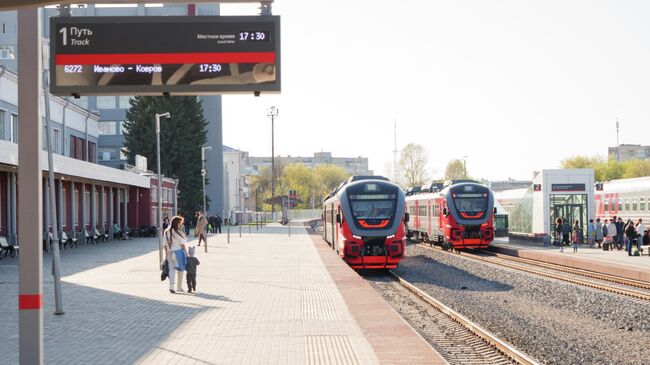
pixel 552 321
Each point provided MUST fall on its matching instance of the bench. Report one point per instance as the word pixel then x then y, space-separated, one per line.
pixel 7 247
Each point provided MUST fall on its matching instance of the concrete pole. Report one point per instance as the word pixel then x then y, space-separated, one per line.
pixel 126 208
pixel 102 210
pixel 82 218
pixel 118 218
pixel 93 208
pixel 110 212
pixel 30 269
pixel 73 209
pixel 59 193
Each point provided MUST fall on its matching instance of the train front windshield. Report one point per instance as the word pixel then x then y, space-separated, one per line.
pixel 471 203
pixel 371 207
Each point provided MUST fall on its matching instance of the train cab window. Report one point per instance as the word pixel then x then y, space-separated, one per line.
pixel 471 202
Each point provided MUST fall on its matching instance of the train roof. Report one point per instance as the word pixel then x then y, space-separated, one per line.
pixel 352 179
pixel 637 184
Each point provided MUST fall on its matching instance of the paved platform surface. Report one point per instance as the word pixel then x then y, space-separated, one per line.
pixel 265 298
pixel 594 259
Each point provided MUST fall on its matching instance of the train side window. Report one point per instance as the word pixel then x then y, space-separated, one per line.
pixel 642 204
pixel 627 205
pixel 607 206
pixel 634 205
pixel 620 205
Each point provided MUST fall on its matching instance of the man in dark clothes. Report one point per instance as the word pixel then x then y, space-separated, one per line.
pixel 218 220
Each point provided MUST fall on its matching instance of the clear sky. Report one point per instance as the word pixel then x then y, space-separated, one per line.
pixel 515 86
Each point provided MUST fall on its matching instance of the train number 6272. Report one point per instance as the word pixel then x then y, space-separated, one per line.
pixel 72 68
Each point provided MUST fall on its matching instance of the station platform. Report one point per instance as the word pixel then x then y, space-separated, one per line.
pixel 263 298
pixel 615 262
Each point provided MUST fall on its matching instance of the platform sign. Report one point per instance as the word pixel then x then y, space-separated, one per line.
pixel 568 187
pixel 154 55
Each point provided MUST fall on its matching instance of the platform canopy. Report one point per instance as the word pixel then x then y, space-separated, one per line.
pixel 15 4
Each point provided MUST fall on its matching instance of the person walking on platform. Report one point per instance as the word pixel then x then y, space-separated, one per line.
pixel 176 253
pixel 577 236
pixel 620 230
pixel 640 234
pixel 591 233
pixel 599 232
pixel 558 231
pixel 566 231
pixel 201 226
pixel 192 263
pixel 218 222
pixel 630 236
pixel 610 233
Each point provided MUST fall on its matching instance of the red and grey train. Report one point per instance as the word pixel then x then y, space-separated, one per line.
pixel 460 215
pixel 363 220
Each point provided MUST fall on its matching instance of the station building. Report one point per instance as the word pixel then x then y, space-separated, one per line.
pixel 557 193
pixel 89 196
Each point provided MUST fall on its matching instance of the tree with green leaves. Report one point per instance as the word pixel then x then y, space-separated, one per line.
pixel 328 177
pixel 181 139
pixel 455 170
pixel 413 165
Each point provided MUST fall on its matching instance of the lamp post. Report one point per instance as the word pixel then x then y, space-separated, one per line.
pixel 159 192
pixel 205 213
pixel 272 112
pixel 203 149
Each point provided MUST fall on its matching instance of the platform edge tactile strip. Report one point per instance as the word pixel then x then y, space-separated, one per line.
pixel 334 350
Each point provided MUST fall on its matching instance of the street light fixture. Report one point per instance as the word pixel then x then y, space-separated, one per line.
pixel 159 192
pixel 272 112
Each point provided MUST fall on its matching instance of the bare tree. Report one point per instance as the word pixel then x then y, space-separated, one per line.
pixel 412 165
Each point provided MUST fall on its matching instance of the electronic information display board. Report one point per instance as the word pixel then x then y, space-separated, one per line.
pixel 175 55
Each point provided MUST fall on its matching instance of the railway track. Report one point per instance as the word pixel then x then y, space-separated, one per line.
pixel 486 347
pixel 595 280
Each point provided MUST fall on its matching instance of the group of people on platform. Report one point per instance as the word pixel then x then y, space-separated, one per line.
pixel 609 234
pixel 180 253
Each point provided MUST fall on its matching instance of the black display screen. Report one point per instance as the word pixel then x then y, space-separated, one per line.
pixel 168 54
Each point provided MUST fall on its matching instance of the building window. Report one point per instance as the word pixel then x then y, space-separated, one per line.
pixel 154 193
pixel 106 102
pixel 13 128
pixel 7 52
pixel 107 153
pixel 56 146
pixel 92 147
pixel 77 147
pixel 123 102
pixel 107 127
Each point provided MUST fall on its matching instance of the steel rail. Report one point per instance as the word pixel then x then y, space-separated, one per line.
pixel 586 283
pixel 501 346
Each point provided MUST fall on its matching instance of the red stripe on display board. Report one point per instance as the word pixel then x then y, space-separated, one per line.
pixel 164 58
pixel 30 301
